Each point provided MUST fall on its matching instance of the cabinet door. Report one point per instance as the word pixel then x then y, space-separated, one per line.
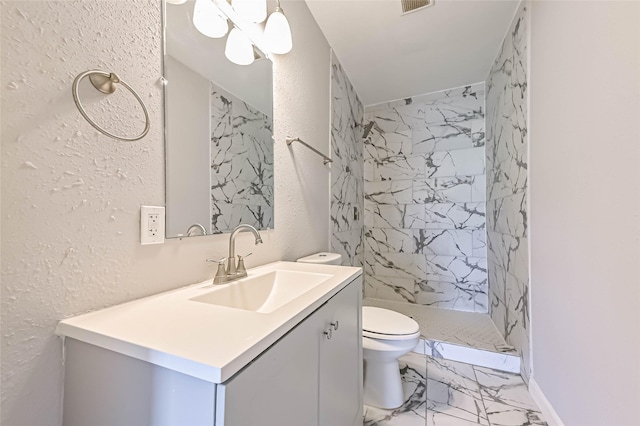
pixel 279 388
pixel 341 359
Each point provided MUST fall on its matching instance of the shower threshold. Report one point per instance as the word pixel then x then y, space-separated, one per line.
pixel 467 337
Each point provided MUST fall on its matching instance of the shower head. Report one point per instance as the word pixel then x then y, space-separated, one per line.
pixel 367 129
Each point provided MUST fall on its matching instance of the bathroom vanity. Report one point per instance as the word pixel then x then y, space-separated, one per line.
pixel 281 347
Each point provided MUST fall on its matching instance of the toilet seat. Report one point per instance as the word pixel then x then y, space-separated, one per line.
pixel 384 324
pixel 381 336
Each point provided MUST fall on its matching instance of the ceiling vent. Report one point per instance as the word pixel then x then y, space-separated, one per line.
pixel 413 5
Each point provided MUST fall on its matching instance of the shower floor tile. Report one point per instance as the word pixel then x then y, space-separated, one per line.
pixel 470 329
pixel 447 393
pixel 468 337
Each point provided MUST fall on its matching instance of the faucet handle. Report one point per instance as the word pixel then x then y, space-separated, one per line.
pixel 242 270
pixel 221 273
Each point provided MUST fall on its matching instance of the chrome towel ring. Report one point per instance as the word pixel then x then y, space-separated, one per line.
pixel 106 83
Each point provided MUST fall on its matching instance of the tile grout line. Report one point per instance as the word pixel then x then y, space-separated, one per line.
pixel 475 374
pixel 426 385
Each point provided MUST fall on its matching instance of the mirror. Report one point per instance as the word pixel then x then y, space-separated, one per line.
pixel 218 132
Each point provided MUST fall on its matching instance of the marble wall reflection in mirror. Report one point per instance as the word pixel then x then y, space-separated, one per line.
pixel 218 132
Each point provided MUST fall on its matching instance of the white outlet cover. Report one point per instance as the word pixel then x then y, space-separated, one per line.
pixel 151 230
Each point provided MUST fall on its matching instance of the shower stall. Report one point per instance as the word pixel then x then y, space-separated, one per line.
pixel 442 181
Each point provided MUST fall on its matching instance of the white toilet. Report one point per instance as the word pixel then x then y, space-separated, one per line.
pixel 386 336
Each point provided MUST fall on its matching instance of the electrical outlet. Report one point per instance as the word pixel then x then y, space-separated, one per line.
pixel 151 225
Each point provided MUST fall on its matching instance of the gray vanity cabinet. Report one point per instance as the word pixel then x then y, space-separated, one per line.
pixel 305 378
pixel 340 368
pixel 312 376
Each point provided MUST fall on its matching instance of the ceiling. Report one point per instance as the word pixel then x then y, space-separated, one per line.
pixel 390 56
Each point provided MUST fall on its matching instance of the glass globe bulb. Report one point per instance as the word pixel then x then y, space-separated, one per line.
pixel 208 20
pixel 177 2
pixel 251 10
pixel 277 33
pixel 239 49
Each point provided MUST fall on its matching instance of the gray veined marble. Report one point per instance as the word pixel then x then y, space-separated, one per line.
pixel 452 390
pixel 508 215
pixel 507 187
pixel 472 92
pixel 507 401
pixel 400 167
pixel 509 253
pixel 448 242
pixel 389 192
pixel 443 190
pixel 479 243
pixel 458 296
pixel 447 393
pixel 399 289
pixel 347 169
pixel 380 144
pixel 457 110
pixel 460 162
pixel 241 164
pixel 411 216
pixel 424 197
pixel 390 240
pixel 455 215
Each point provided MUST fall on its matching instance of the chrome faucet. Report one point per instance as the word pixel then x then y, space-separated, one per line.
pixel 234 272
pixel 231 259
pixel 196 229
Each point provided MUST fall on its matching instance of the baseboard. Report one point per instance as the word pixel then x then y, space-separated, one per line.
pixel 544 405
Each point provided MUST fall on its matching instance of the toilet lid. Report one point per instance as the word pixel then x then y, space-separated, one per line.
pixel 386 322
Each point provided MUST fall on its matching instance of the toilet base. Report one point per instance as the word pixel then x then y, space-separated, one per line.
pixel 382 383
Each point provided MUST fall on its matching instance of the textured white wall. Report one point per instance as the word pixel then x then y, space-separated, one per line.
pixel 70 196
pixel 585 209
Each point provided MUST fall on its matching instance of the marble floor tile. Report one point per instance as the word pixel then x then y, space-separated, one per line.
pixel 453 390
pixel 413 368
pixel 438 419
pixel 507 399
pixel 449 393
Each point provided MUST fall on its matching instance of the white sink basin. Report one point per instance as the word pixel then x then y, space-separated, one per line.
pixel 264 293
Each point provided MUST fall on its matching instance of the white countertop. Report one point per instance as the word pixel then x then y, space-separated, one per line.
pixel 202 340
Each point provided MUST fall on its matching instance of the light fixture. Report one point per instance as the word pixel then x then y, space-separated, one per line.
pixel 277 32
pixel 239 48
pixel 208 19
pixel 252 10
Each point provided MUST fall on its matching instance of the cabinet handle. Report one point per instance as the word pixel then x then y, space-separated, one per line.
pixel 328 333
pixel 335 325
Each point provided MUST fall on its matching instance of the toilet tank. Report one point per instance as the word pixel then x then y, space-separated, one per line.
pixel 322 258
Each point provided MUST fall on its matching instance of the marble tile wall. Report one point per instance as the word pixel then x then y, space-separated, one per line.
pixel 507 171
pixel 241 164
pixel 347 197
pixel 424 172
